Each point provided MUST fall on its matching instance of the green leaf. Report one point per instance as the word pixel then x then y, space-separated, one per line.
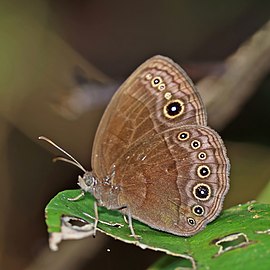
pixel 238 237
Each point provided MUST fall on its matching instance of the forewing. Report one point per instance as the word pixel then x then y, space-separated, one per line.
pixel 156 97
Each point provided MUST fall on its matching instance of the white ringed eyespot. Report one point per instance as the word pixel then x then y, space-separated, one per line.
pixel 202 192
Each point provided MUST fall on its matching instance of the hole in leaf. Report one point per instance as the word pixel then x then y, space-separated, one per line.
pixel 71 228
pixel 230 242
pixel 78 222
pixel 263 232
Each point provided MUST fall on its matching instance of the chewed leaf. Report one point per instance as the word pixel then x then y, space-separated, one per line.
pixel 70 231
pixel 238 234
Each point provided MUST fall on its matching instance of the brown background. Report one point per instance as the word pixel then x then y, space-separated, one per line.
pixel 53 51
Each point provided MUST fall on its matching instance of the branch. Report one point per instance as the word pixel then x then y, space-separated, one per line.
pixel 225 95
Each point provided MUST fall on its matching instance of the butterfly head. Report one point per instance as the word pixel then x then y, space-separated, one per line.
pixel 87 182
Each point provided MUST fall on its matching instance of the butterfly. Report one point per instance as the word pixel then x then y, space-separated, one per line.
pixel 154 157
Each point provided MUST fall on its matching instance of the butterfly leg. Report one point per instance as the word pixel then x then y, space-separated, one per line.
pixel 77 197
pixel 97 220
pixel 128 220
pixel 103 222
pixel 125 219
pixel 133 234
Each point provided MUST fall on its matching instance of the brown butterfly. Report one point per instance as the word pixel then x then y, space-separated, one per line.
pixel 154 157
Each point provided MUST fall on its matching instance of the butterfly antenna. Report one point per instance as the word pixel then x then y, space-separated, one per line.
pixel 72 160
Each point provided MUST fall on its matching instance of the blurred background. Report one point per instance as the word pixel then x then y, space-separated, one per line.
pixel 61 61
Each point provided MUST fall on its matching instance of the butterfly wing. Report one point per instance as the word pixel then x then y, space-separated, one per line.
pixel 156 171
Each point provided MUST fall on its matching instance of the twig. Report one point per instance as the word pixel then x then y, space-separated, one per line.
pixel 225 95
